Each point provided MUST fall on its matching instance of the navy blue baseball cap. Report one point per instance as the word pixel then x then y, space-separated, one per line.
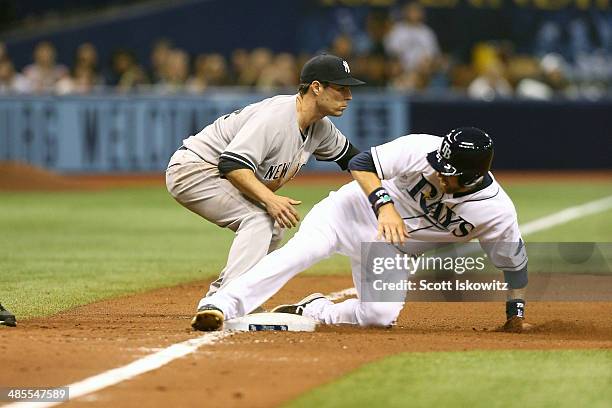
pixel 328 68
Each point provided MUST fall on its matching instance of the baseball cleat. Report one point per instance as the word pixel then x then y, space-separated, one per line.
pixel 207 318
pixel 298 308
pixel 7 318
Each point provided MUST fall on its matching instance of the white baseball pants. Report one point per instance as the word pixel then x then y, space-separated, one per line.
pixel 338 224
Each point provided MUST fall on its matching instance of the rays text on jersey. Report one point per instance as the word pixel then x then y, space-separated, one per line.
pixel 435 211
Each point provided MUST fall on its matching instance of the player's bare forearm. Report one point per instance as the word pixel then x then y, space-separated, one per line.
pixel 246 182
pixel 367 180
pixel 280 208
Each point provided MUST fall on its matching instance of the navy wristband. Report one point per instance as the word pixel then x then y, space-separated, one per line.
pixel 515 307
pixel 378 198
pixel 375 195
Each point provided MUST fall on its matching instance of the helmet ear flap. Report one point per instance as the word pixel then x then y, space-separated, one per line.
pixel 470 179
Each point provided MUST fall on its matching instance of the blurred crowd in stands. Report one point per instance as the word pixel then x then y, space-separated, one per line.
pixel 566 60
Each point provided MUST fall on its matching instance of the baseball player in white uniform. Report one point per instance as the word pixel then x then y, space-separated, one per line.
pixel 418 188
pixel 228 172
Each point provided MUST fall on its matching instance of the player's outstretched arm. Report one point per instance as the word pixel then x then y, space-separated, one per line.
pixel 515 301
pixel 280 208
pixel 391 226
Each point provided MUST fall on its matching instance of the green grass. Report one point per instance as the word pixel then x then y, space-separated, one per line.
pixel 59 250
pixel 533 201
pixel 62 250
pixel 580 378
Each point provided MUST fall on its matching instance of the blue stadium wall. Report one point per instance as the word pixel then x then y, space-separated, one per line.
pixel 139 133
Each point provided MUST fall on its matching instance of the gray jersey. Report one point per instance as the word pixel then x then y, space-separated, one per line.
pixel 265 137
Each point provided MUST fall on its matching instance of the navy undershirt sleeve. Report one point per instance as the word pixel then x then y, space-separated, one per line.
pixel 227 165
pixel 362 162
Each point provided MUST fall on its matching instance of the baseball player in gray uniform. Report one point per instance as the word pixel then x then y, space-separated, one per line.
pixel 229 172
pixel 419 188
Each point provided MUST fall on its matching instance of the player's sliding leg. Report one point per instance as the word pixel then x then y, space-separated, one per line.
pixel 354 311
pixel 314 242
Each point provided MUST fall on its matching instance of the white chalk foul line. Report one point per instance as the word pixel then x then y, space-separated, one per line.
pixel 566 215
pixel 134 369
pixel 171 353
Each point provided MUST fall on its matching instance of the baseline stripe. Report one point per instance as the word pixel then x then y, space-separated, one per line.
pixel 134 369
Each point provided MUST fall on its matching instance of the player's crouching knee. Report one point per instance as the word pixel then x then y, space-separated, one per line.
pixel 171 185
pixel 379 314
pixel 177 188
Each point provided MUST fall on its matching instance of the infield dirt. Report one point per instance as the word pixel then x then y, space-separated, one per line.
pixel 261 369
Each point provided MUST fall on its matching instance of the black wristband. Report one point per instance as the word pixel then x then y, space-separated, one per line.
pixel 376 194
pixel 515 307
pixel 378 198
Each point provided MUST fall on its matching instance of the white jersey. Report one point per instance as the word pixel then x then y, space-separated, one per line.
pixel 433 216
pixel 265 137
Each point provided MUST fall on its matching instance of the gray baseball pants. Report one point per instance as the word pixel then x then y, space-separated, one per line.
pixel 197 185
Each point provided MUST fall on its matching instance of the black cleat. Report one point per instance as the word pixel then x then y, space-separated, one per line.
pixel 7 318
pixel 208 318
pixel 298 308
